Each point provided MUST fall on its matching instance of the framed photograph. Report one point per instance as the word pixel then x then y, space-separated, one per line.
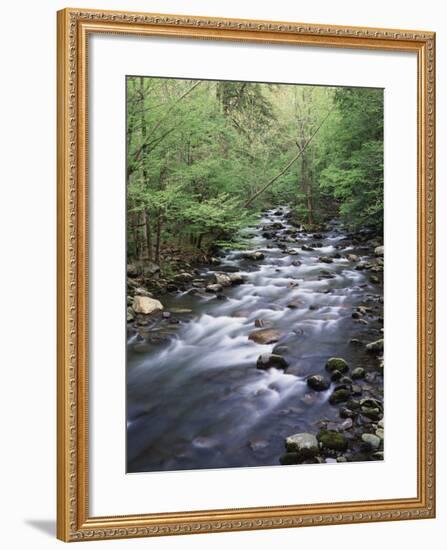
pixel 246 214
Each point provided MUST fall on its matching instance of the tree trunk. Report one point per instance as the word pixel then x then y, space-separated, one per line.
pixel 147 235
pixel 306 185
pixel 310 215
pixel 134 230
pixel 158 239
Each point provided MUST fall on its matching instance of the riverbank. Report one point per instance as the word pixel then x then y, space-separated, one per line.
pixel 288 333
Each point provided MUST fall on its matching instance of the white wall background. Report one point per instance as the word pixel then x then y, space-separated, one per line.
pixel 28 272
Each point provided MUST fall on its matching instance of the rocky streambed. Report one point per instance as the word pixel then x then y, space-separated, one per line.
pixel 264 356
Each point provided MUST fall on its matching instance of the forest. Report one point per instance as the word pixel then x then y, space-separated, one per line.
pixel 205 157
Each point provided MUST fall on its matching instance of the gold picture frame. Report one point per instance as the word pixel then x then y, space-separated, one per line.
pixel 74 522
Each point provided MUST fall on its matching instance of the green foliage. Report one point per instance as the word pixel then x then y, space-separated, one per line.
pixel 197 151
pixel 354 175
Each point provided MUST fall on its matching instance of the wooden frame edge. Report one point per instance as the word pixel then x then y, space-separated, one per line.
pixel 73 521
pixel 63 448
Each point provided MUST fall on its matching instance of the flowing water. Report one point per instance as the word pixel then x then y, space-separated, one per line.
pixel 197 400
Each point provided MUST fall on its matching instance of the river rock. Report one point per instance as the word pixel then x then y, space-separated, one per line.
pixel 336 375
pixel 149 269
pixel 140 291
pixel 318 383
pixel 274 225
pixel 307 248
pixel 336 363
pixel 339 395
pixel 256 256
pixel 265 336
pixel 304 444
pixel 358 373
pixel 352 257
pixel 214 288
pixel 375 347
pixel 372 441
pixel 372 413
pixel 371 402
pixel 184 277
pixel 295 304
pixel 236 278
pixel 347 424
pixel 222 279
pixel 271 360
pixel 345 412
pixel 374 279
pixel 130 314
pixel 332 440
pixel 296 263
pixel 326 259
pixel 379 250
pixel 145 305
pixel 326 274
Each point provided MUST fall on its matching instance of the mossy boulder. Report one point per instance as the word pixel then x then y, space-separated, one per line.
pixel 337 364
pixel 289 458
pixel 332 440
pixel 339 395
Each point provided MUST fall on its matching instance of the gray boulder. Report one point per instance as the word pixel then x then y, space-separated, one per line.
pixel 145 305
pixel 304 444
pixel 372 441
pixel 222 279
